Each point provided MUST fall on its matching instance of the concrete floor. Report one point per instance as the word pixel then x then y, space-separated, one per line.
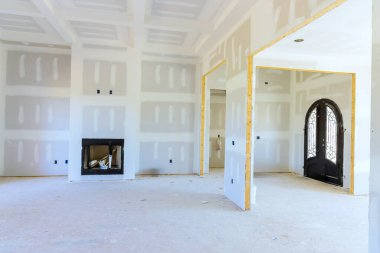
pixel 179 214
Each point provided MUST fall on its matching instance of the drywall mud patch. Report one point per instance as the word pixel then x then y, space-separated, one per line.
pixel 272 116
pixel 287 11
pixel 37 113
pixel 235 49
pixel 104 76
pixel 35 158
pixel 167 77
pixel 273 81
pixel 103 121
pixel 236 113
pixel 316 86
pixel 38 69
pixel 166 157
pixel 273 155
pixel 167 117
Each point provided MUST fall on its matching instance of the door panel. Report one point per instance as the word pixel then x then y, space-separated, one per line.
pixel 324 142
pixel 235 156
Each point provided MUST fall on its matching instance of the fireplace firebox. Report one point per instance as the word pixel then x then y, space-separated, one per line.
pixel 102 156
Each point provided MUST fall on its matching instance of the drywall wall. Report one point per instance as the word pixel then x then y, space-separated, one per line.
pixel 2 106
pixel 167 122
pixel 217 130
pixel 53 98
pixel 104 77
pixel 272 120
pixel 374 198
pixel 36 111
pixel 151 106
pixel 38 69
pixel 99 99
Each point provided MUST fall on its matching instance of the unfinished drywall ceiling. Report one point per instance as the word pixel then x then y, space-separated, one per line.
pixel 334 34
pixel 155 26
pixel 178 9
pixel 181 27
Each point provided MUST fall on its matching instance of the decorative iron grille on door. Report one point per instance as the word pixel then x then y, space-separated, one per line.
pixel 324 142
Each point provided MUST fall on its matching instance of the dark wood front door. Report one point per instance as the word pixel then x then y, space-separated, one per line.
pixel 324 142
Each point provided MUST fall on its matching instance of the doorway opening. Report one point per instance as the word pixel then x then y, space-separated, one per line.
pixel 305 124
pixel 217 131
pixel 324 142
pixel 213 125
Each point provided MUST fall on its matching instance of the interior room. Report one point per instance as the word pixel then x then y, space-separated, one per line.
pixel 215 122
pixel 287 134
pixel 189 126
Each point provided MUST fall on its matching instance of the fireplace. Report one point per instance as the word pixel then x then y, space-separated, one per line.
pixel 102 156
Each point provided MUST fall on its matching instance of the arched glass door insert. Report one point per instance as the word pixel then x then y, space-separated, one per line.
pixel 324 142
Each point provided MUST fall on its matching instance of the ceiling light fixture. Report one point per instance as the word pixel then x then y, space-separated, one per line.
pixel 299 40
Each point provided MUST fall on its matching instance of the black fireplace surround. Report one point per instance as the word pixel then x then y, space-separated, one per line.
pixel 102 156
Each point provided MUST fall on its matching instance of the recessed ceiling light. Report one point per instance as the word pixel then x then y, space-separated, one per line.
pixel 299 40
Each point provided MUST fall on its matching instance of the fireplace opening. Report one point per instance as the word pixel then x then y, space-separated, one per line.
pixel 102 156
